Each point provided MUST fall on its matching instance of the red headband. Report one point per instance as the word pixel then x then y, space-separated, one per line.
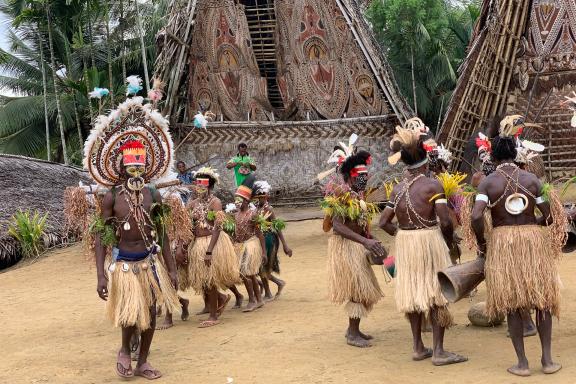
pixel 203 182
pixel 359 169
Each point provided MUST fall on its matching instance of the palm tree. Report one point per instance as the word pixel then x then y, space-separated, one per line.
pixel 54 75
pixel 45 95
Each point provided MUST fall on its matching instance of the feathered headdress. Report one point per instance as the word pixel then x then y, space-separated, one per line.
pixel 444 154
pixel 527 150
pixel 131 121
pixel 407 138
pixel 340 154
pixel 262 188
pixel 208 172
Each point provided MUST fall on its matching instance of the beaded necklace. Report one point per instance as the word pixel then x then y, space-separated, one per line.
pixel 135 201
pixel 409 206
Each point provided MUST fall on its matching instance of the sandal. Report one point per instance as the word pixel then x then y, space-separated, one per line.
pixel 124 366
pixel 224 304
pixel 208 323
pixel 146 371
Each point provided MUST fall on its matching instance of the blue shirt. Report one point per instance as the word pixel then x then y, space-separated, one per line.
pixel 186 178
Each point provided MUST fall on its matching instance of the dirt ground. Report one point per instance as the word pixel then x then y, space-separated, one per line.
pixel 53 331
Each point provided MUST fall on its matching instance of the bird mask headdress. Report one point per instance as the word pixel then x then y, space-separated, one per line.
pixel 340 154
pixel 408 138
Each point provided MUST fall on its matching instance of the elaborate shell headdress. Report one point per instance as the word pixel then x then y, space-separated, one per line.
pixel 210 172
pixel 131 121
pixel 407 138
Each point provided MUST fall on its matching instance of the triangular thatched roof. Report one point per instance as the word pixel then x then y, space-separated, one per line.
pixel 35 185
pixel 271 60
pixel 522 60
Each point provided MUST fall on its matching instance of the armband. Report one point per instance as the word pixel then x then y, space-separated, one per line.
pixel 482 197
pixel 390 204
pixel 441 201
pixel 540 200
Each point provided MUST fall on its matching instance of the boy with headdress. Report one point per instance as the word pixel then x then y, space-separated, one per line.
pixel 421 245
pixel 351 247
pixel 249 243
pixel 273 236
pixel 213 263
pixel 521 257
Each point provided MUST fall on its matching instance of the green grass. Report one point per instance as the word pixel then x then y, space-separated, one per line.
pixel 28 229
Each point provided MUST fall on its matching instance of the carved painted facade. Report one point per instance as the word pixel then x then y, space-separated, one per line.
pixel 321 70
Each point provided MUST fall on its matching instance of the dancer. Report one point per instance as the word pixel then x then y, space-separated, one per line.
pixel 125 156
pixel 213 263
pixel 180 233
pixel 422 247
pixel 351 248
pixel 273 236
pixel 521 257
pixel 249 243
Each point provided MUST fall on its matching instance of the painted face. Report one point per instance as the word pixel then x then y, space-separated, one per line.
pixel 360 182
pixel 135 181
pixel 202 185
pixel 259 201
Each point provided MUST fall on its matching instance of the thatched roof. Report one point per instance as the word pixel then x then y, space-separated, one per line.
pixel 521 60
pixel 33 184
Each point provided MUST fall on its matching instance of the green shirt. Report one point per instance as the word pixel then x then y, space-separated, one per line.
pixel 243 162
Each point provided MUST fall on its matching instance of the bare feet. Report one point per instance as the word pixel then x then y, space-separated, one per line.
pixel 202 312
pixel 281 285
pixel 426 353
pixel 362 335
pixel 185 314
pixel 260 304
pixel 250 307
pixel 167 323
pixel 519 370
pixel 358 341
pixel 268 298
pixel 551 368
pixel 239 301
pixel 446 358
pixel 124 366
pixel 145 370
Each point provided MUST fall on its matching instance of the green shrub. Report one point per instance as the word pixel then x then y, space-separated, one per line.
pixel 28 229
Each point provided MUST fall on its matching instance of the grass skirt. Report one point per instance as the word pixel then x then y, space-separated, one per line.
pixel 224 269
pixel 521 271
pixel 272 245
pixel 184 282
pixel 420 255
pixel 249 254
pixel 131 295
pixel 351 278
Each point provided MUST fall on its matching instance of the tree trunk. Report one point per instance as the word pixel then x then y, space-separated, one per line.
pixel 142 45
pixel 54 74
pixel 123 45
pixel 413 81
pixel 109 51
pixel 90 35
pixel 76 114
pixel 45 94
pixel 440 114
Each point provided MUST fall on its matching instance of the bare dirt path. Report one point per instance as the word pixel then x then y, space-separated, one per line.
pixel 53 331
